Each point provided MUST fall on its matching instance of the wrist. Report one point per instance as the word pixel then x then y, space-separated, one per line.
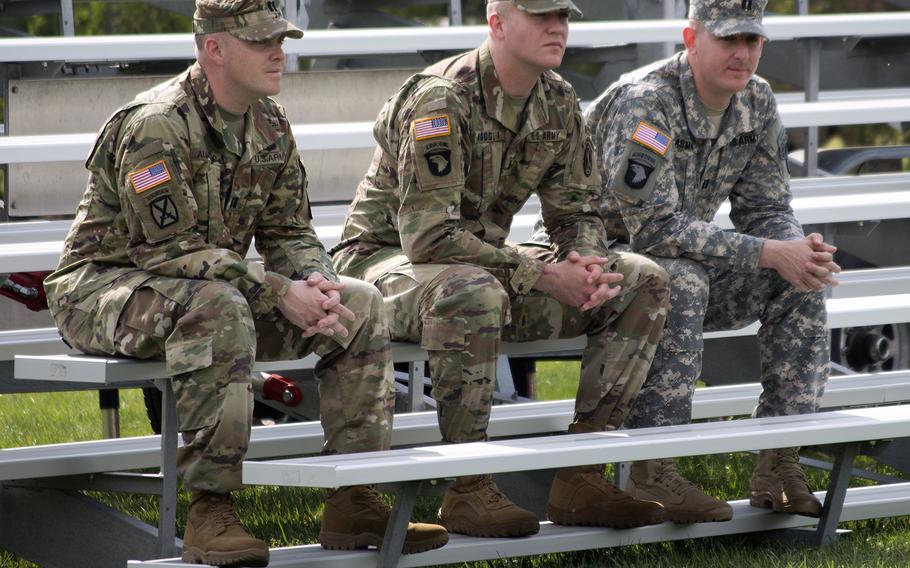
pixel 768 253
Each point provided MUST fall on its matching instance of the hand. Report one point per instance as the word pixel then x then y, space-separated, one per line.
pixel 806 263
pixel 599 277
pixel 579 281
pixel 303 305
pixel 332 290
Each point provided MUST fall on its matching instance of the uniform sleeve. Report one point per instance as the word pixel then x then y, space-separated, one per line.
pixel 760 200
pixel 570 196
pixel 433 156
pixel 285 236
pixel 638 154
pixel 153 183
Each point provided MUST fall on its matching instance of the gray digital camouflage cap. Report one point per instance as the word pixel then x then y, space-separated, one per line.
pixel 250 20
pixel 729 17
pixel 544 6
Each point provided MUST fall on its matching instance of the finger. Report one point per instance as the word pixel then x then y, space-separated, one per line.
pixel 610 278
pixel 819 257
pixel 603 294
pixel 816 270
pixel 328 285
pixel 344 312
pixel 315 278
pixel 573 257
pixel 594 272
pixel 340 330
pixel 334 300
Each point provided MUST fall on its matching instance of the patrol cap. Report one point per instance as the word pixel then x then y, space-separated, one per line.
pixel 544 6
pixel 729 17
pixel 250 20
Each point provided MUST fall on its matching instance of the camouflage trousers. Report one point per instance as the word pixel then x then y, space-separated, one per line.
pixel 209 339
pixel 460 313
pixel 793 341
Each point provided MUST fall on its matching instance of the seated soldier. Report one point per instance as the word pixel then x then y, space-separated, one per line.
pixel 461 147
pixel 181 181
pixel 677 139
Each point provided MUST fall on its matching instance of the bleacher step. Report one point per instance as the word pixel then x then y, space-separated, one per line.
pixel 861 503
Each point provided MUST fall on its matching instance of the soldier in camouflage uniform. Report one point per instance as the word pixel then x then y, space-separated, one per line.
pixel 461 147
pixel 181 181
pixel 678 138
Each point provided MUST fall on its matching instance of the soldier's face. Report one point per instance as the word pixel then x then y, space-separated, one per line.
pixel 255 67
pixel 723 65
pixel 537 39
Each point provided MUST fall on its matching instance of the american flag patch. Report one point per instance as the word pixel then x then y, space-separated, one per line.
pixel 652 138
pixel 431 127
pixel 150 176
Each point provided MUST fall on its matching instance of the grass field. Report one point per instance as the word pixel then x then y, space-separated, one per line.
pixel 291 516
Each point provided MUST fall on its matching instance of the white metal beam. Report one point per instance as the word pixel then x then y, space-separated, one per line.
pixel 370 41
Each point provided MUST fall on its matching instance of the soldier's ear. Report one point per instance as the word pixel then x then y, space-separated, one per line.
pixel 213 47
pixel 689 38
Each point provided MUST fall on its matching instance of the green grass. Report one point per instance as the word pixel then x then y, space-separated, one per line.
pixel 291 516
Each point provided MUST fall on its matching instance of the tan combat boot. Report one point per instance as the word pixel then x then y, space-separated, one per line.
pixel 356 517
pixel 779 483
pixel 582 496
pixel 475 506
pixel 214 535
pixel 685 502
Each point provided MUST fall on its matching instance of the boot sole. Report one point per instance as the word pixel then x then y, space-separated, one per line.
pixel 234 559
pixel 347 541
pixel 765 501
pixel 590 519
pixel 502 530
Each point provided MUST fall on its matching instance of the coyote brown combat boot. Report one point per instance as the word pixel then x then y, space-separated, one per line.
pixel 356 517
pixel 685 502
pixel 214 534
pixel 582 496
pixel 475 506
pixel 779 483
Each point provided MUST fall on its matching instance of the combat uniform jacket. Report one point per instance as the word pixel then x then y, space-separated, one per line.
pixel 665 178
pixel 172 192
pixel 448 176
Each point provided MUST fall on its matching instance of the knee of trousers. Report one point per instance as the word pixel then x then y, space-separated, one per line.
pixel 471 294
pixel 215 330
pixel 364 299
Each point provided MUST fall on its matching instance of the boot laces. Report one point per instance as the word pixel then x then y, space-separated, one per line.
pixel 491 491
pixel 668 476
pixel 222 512
pixel 374 500
pixel 787 468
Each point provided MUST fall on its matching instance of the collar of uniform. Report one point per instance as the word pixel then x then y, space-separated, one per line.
pixel 492 90
pixel 739 118
pixel 206 99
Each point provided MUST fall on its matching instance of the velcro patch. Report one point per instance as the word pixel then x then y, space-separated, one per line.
pixel 269 157
pixel 650 137
pixel 432 127
pixel 547 136
pixel 150 176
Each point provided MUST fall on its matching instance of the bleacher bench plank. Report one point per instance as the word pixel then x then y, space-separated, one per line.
pixel 861 503
pixel 570 450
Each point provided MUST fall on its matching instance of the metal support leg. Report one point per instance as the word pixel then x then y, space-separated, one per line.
pixel 109 403
pixel 813 64
pixel 67 21
pixel 397 527
pixel 455 13
pixel 826 532
pixel 415 385
pixel 167 503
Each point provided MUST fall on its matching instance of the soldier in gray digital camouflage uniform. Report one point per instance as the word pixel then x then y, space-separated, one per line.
pixel 461 147
pixel 181 181
pixel 678 138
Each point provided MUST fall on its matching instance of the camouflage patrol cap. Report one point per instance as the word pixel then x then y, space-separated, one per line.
pixel 729 17
pixel 544 6
pixel 250 20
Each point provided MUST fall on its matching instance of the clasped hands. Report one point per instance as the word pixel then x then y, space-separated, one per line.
pixel 580 281
pixel 806 263
pixel 314 305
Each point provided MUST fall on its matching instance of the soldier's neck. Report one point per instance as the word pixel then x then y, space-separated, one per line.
pixel 516 77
